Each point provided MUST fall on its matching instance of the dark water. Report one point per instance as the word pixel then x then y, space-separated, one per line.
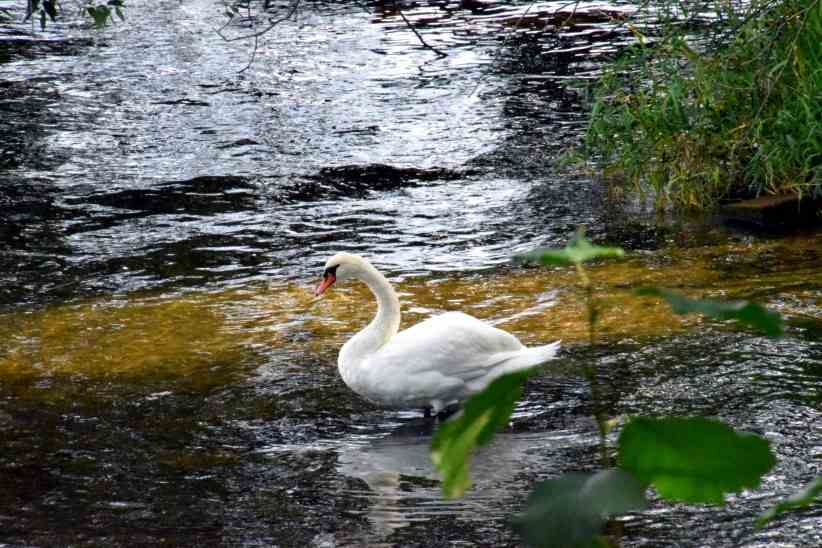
pixel 165 377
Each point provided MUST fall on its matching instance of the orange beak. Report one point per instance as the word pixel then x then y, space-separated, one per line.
pixel 328 281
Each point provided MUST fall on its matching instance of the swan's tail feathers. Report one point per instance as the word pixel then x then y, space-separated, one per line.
pixel 530 357
pixel 516 361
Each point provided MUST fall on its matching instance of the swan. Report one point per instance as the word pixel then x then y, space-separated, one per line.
pixel 433 365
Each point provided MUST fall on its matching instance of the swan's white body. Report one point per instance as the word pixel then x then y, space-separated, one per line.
pixel 436 363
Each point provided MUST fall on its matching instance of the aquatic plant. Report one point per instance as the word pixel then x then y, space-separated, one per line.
pixel 688 459
pixel 695 119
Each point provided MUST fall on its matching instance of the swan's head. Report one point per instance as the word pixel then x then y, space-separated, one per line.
pixel 342 267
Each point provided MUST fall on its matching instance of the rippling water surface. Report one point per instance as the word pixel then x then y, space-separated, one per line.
pixel 166 376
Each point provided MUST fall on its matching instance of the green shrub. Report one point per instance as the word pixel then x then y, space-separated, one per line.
pixel 690 459
pixel 696 124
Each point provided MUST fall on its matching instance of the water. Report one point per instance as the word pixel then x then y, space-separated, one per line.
pixel 168 377
pixel 109 181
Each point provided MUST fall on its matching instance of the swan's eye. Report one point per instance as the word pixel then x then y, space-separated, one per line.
pixel 331 271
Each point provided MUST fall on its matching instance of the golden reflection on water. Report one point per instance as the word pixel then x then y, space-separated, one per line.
pixel 163 337
pixel 209 339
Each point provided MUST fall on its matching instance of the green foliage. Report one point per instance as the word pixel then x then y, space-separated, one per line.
pixel 696 122
pixel 578 250
pixel 100 13
pixel 744 312
pixel 693 459
pixel 40 9
pixel 571 511
pixel 482 415
pixel 685 459
pixel 799 500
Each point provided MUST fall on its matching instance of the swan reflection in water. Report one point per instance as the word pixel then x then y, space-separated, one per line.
pixel 403 487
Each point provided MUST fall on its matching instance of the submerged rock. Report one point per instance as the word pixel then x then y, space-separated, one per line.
pixel 775 212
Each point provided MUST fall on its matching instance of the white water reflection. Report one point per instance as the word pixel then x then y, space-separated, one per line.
pixel 403 486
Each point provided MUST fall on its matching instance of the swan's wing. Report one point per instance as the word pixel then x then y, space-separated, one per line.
pixel 453 345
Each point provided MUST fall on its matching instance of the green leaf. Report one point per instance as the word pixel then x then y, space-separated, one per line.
pixel 50 6
pixel 579 250
pixel 693 459
pixel 31 9
pixel 100 14
pixel 798 500
pixel 572 510
pixel 744 312
pixel 482 415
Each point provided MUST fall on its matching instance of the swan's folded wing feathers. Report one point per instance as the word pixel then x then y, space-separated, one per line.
pixel 452 344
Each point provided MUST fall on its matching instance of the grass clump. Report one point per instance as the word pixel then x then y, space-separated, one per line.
pixel 697 121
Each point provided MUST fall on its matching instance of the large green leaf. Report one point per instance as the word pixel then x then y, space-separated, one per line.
pixel 742 311
pixel 693 459
pixel 798 500
pixel 571 511
pixel 483 414
pixel 578 250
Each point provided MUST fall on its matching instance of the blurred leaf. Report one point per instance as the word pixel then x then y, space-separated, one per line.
pixel 100 14
pixel 572 510
pixel 482 415
pixel 744 312
pixel 578 250
pixel 798 500
pixel 693 459
pixel 92 11
pixel 50 7
pixel 613 422
pixel 42 20
pixel 31 9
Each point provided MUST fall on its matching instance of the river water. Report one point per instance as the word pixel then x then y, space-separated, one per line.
pixel 166 376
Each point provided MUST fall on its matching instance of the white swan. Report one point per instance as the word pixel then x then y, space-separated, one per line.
pixel 436 363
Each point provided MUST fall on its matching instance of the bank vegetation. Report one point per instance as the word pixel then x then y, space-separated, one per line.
pixel 695 117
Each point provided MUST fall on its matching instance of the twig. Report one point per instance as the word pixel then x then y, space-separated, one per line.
pixel 256 39
pixel 417 34
pixel 271 24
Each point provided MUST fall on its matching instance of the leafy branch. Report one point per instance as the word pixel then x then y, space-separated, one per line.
pixel 243 8
pixel 578 251
pixel 690 459
pixel 101 13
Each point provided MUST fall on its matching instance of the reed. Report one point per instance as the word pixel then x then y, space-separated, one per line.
pixel 697 121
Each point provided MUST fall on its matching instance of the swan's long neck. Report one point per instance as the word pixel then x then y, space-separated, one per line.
pixel 387 321
pixel 384 326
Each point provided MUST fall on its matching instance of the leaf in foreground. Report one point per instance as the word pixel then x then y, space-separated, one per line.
pixel 579 250
pixel 798 500
pixel 744 312
pixel 482 415
pixel 693 459
pixel 572 510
